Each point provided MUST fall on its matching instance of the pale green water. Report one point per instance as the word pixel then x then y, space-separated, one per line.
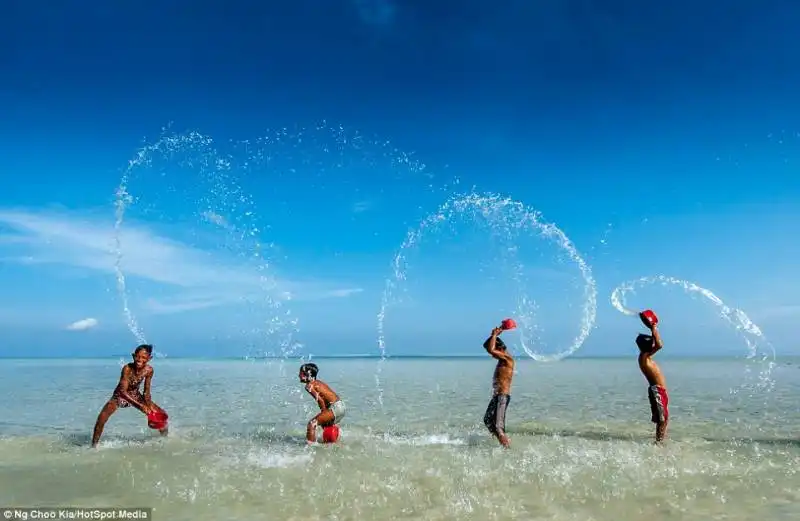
pixel 580 430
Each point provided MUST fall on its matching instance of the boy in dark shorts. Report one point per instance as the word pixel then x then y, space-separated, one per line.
pixel 128 392
pixel 648 346
pixel 495 417
pixel 332 409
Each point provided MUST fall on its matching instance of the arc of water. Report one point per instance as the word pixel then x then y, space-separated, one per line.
pixel 735 317
pixel 212 170
pixel 492 207
pixel 122 201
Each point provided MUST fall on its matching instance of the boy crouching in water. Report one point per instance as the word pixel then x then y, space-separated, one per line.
pixel 332 409
pixel 128 392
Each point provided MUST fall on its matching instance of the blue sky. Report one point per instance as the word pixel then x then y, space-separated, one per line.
pixel 663 140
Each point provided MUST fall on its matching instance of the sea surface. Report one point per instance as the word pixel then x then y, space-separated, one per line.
pixel 413 447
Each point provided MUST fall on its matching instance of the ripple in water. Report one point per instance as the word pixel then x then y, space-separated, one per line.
pixel 509 222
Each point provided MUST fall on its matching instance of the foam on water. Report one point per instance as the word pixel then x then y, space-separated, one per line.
pixel 507 219
pixel 422 440
pixel 265 458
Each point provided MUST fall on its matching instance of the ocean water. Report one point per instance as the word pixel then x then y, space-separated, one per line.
pixel 581 442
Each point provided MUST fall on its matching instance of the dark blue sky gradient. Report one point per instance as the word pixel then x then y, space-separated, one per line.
pixel 614 113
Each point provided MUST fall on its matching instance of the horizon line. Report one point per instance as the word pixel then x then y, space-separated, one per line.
pixel 377 357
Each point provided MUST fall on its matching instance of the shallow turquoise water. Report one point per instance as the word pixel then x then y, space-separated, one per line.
pixel 415 448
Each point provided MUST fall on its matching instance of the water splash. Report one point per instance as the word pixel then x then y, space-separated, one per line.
pixel 327 156
pixel 759 348
pixel 507 219
pixel 228 207
pixel 317 157
pixel 223 205
pixel 123 200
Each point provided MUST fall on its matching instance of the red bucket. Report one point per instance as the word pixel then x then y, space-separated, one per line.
pixel 649 319
pixel 157 420
pixel 508 324
pixel 330 434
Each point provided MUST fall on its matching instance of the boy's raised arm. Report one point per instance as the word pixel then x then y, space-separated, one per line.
pixel 657 343
pixel 491 344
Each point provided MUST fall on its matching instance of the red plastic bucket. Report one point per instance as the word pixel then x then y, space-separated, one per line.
pixel 330 434
pixel 157 420
pixel 649 319
pixel 508 324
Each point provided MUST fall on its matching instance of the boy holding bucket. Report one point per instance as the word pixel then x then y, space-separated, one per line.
pixel 495 417
pixel 332 408
pixel 128 393
pixel 657 391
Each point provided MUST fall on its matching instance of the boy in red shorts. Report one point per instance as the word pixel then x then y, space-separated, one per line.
pixel 649 345
pixel 128 392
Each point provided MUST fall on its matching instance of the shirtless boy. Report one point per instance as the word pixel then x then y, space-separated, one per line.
pixel 332 409
pixel 657 390
pixel 495 417
pixel 128 392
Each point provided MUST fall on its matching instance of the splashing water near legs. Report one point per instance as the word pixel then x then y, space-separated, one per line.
pixel 507 219
pixel 759 349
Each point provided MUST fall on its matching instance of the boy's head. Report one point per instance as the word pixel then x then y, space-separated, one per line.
pixel 499 344
pixel 142 354
pixel 308 372
pixel 645 343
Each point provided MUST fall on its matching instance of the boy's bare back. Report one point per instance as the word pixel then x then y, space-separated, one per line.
pixel 321 393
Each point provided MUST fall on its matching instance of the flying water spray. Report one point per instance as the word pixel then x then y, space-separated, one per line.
pixel 212 179
pixel 191 169
pixel 507 219
pixel 759 349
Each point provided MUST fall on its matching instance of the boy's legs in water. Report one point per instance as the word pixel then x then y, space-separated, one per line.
pixel 105 413
pixel 661 431
pixel 495 418
pixel 323 419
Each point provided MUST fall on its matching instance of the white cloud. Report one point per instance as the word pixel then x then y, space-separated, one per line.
pixel 81 325
pixel 197 278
